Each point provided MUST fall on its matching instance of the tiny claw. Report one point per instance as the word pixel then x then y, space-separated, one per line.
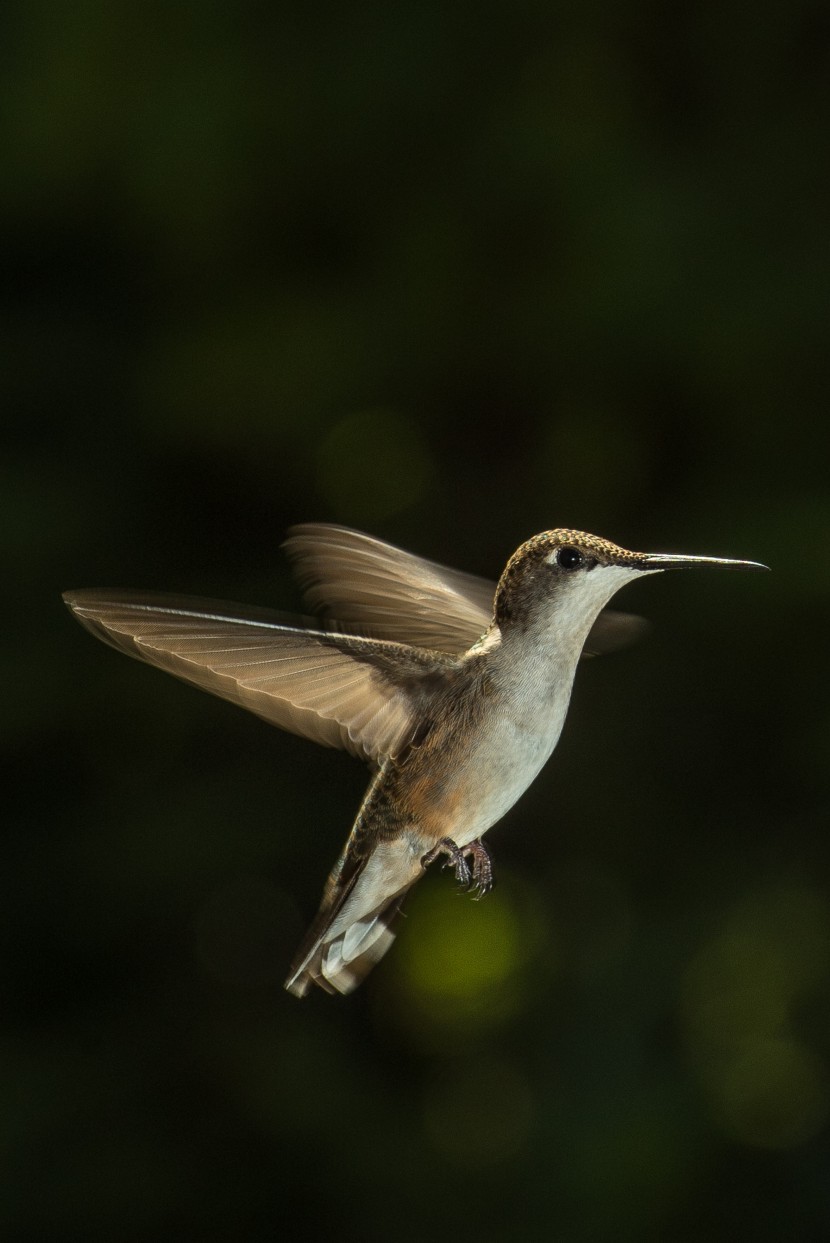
pixel 455 856
pixel 483 879
pixel 462 870
pixel 479 878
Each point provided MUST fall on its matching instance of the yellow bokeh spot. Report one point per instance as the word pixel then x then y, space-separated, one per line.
pixel 465 963
pixel 742 985
pixel 459 957
pixel 774 1095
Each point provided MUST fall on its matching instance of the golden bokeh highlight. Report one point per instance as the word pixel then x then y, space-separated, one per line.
pixel 774 1094
pixel 773 949
pixel 466 965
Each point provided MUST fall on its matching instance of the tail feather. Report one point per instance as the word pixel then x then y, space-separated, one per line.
pixel 355 925
pixel 339 963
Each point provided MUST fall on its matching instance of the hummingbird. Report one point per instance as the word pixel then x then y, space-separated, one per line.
pixel 453 689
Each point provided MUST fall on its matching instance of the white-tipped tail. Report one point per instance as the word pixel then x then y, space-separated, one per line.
pixel 339 965
pixel 355 925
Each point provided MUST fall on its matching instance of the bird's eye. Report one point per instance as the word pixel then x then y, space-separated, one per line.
pixel 569 558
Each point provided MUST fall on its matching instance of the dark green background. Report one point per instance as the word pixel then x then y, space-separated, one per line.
pixel 451 273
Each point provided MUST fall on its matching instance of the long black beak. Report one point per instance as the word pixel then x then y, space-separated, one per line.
pixel 667 561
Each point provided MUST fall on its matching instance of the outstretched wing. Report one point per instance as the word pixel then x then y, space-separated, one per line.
pixel 360 580
pixel 338 690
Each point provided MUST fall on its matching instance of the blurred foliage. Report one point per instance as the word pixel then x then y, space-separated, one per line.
pixel 454 273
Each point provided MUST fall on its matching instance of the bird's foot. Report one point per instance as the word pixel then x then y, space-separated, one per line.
pixel 483 879
pixel 478 878
pixel 455 856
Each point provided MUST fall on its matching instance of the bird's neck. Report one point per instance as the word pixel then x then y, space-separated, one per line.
pixel 536 662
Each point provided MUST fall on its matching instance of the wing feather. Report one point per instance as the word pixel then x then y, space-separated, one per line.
pixel 338 690
pixel 362 581
pixel 400 597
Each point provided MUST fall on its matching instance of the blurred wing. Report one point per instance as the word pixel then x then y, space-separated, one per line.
pixel 399 596
pixel 338 690
pixel 613 630
pixel 407 599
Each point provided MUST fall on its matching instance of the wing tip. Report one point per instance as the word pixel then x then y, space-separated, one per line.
pixel 72 599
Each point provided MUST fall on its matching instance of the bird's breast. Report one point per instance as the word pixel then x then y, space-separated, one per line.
pixel 480 763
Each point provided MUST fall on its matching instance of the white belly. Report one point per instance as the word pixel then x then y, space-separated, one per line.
pixel 505 759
